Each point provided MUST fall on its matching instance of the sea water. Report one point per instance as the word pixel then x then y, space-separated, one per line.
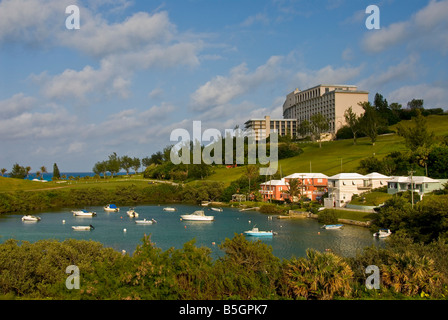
pixel 120 232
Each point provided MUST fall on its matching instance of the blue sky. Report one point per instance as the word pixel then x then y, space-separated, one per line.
pixel 136 70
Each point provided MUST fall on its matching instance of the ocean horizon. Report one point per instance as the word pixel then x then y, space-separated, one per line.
pixel 49 175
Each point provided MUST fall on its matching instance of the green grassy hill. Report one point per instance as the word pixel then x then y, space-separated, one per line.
pixel 327 160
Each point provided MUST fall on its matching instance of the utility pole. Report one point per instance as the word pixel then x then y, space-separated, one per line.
pixel 412 188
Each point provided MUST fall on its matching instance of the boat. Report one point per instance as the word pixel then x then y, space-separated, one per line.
pixel 83 213
pixel 382 233
pixel 217 209
pixel 111 208
pixel 131 213
pixel 257 233
pixel 197 216
pixel 332 226
pixel 144 221
pixel 29 218
pixel 169 209
pixel 83 228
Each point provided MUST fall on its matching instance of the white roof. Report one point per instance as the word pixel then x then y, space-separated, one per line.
pixel 376 175
pixel 306 176
pixel 347 176
pixel 415 179
pixel 275 183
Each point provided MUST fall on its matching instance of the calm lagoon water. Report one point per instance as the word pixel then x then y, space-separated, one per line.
pixel 293 238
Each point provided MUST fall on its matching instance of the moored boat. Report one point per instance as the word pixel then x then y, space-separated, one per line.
pixel 111 208
pixel 29 218
pixel 131 213
pixel 169 209
pixel 197 216
pixel 144 221
pixel 83 228
pixel 258 233
pixel 332 226
pixel 83 213
pixel 382 233
pixel 217 209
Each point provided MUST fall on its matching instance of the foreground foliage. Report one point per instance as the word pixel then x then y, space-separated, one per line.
pixel 247 270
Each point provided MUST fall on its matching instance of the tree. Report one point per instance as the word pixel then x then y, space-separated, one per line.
pixel 318 125
pixel 18 172
pixel 370 121
pixel 353 122
pixel 113 165
pixel 136 164
pixel 56 173
pixel 126 163
pixel 417 134
pixel 100 167
pixel 415 104
pixel 27 169
pixel 251 173
pixel 294 186
pixel 319 276
pixel 43 170
pixel 3 171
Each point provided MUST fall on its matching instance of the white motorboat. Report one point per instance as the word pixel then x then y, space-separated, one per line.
pixel 257 233
pixel 217 209
pixel 171 209
pixel 197 216
pixel 83 213
pixel 131 213
pixel 83 228
pixel 382 233
pixel 332 226
pixel 111 208
pixel 144 221
pixel 29 218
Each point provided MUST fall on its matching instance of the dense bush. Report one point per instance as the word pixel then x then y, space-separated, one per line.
pixel 247 270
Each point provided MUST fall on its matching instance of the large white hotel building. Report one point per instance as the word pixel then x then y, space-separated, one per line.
pixel 329 100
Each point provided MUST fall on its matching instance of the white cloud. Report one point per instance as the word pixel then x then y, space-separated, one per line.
pixel 16 105
pixel 434 95
pixel 327 74
pixel 427 29
pixel 405 70
pixel 221 90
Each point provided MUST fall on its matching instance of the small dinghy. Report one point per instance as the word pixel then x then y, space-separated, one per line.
pixel 29 218
pixel 170 209
pixel 217 209
pixel 83 228
pixel 332 226
pixel 382 233
pixel 131 213
pixel 83 213
pixel 144 221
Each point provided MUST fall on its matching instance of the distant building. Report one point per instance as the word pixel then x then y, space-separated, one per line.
pixel 313 185
pixel 419 184
pixel 274 190
pixel 343 186
pixel 263 127
pixel 329 100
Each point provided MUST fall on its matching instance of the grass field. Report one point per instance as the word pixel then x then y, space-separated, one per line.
pixel 8 184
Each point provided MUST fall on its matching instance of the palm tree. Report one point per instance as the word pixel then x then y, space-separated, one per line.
pixel 44 170
pixel 319 276
pixel 27 170
pixel 294 187
pixel 3 171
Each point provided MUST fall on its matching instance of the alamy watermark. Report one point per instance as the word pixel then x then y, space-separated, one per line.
pixel 373 20
pixel 212 152
pixel 73 21
pixel 72 281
